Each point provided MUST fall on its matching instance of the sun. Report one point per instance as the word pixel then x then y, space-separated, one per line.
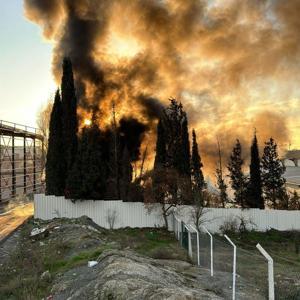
pixel 87 122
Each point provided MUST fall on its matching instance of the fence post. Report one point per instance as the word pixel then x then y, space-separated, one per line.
pixel 178 229
pixel 190 242
pixel 181 231
pixel 211 252
pixel 198 247
pixel 270 271
pixel 234 266
pixel 174 223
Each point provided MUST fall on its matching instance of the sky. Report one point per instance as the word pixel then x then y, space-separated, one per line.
pixel 26 80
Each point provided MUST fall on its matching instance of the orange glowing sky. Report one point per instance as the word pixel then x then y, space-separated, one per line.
pixel 234 64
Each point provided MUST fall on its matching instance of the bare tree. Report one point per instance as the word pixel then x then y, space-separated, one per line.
pixel 166 189
pixel 111 218
pixel 220 179
pixel 198 212
pixel 42 121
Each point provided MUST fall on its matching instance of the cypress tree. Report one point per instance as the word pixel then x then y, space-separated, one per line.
pixel 196 165
pixel 70 121
pixel 160 156
pixel 185 164
pixel 88 173
pixel 111 148
pixel 74 183
pixel 93 167
pixel 220 179
pixel 55 176
pixel 177 138
pixel 272 171
pixel 254 190
pixel 238 180
pixel 126 174
pixel 173 151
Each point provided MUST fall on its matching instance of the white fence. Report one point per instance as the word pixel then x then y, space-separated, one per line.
pixel 135 214
pixel 261 219
pixel 128 214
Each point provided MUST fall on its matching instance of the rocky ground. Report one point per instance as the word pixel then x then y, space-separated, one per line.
pixel 132 263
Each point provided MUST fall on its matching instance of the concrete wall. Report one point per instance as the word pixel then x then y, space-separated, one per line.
pixel 135 214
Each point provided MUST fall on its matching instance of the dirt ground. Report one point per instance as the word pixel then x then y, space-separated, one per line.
pixel 12 219
pixel 30 268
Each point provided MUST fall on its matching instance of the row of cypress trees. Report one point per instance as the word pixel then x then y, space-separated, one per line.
pixel 92 164
pixel 97 165
pixel 174 159
pixel 100 170
pixel 265 183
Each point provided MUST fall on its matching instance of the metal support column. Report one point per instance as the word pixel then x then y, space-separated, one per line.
pixel 34 165
pixel 13 167
pixel 24 165
pixel 0 166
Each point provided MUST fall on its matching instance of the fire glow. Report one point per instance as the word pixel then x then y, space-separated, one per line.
pixel 87 122
pixel 210 55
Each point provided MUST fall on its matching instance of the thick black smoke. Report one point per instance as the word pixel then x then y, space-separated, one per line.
pixel 151 107
pixel 137 54
pixel 131 136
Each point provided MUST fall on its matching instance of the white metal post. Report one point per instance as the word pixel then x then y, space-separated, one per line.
pixel 270 271
pixel 177 227
pixel 211 252
pixel 181 232
pixel 198 248
pixel 234 266
pixel 174 224
pixel 190 242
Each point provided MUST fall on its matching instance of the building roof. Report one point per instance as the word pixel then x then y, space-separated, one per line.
pixel 292 175
pixel 292 154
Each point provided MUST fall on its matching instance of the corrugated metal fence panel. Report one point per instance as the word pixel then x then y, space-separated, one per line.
pixel 136 214
pixel 132 214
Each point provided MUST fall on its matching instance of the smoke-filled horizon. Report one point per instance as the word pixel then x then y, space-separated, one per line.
pixel 233 64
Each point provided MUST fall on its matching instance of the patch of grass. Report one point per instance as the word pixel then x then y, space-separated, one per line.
pixel 282 247
pixel 20 277
pixel 62 250
pixel 76 260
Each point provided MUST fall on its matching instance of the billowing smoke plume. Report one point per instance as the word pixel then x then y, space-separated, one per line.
pixel 233 64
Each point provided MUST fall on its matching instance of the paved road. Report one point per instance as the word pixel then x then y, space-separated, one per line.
pixel 13 219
